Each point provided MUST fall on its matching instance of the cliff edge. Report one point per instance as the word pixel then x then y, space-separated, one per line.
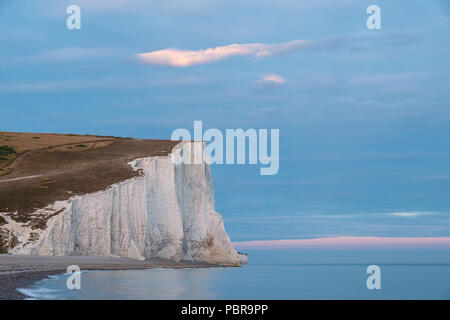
pixel 156 209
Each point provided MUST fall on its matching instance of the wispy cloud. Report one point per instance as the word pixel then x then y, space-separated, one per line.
pixel 174 57
pixel 272 79
pixel 345 242
pixel 92 55
pixel 268 109
pixel 330 217
pixel 103 83
pixel 68 54
pixel 410 213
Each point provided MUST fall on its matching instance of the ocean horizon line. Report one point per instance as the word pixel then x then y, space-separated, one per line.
pixel 348 242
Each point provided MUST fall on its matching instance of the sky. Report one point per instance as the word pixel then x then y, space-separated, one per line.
pixel 363 114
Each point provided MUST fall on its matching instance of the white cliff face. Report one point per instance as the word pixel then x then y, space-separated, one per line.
pixel 167 212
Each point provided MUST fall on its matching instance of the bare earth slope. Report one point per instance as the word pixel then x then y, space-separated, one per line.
pixel 39 169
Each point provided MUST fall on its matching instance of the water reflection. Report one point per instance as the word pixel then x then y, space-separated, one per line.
pixel 287 281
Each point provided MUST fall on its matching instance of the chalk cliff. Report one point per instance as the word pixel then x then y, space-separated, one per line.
pixel 165 212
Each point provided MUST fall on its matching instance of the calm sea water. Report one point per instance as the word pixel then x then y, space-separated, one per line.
pixel 260 279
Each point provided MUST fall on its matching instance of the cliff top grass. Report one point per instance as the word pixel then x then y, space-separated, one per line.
pixel 14 144
pixel 41 168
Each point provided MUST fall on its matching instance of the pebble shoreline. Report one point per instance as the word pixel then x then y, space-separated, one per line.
pixel 23 271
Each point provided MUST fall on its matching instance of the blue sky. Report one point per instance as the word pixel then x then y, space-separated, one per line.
pixel 363 115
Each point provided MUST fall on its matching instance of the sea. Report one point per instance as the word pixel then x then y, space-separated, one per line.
pixel 280 274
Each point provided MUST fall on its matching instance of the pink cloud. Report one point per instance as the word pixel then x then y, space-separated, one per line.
pixel 345 242
pixel 174 57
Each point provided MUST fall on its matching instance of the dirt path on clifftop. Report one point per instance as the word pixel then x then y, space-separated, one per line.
pixel 16 162
pixel 63 171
